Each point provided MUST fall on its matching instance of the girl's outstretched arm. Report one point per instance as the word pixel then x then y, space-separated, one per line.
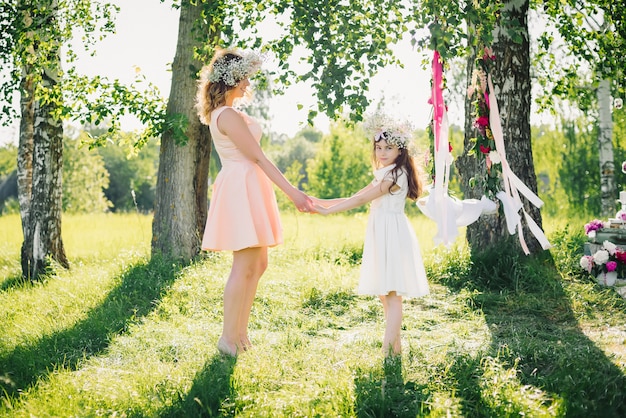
pixel 365 195
pixel 326 203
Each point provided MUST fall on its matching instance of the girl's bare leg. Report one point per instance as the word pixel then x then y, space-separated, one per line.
pixel 392 344
pixel 383 300
pixel 243 276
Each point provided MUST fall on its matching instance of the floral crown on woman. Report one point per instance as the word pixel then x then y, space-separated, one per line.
pixel 380 126
pixel 232 71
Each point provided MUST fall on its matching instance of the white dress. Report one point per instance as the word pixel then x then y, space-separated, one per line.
pixel 392 260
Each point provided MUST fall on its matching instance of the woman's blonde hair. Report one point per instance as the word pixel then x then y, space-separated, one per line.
pixel 212 94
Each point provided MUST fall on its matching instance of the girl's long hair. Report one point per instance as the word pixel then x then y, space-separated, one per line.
pixel 404 162
pixel 211 95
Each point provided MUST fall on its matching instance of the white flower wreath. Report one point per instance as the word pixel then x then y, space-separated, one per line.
pixel 380 126
pixel 233 71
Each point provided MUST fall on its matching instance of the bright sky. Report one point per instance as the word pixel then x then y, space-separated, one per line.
pixel 146 38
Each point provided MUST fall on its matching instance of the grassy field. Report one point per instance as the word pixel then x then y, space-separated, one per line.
pixel 121 334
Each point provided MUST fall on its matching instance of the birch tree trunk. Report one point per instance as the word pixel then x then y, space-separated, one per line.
pixel 182 184
pixel 511 79
pixel 25 151
pixel 605 145
pixel 40 163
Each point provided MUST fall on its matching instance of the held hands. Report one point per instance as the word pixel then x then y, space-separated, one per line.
pixel 321 210
pixel 321 206
pixel 303 202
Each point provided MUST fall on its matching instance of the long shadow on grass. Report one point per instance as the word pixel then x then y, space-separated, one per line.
pixel 534 331
pixel 382 392
pixel 12 282
pixel 212 393
pixel 139 288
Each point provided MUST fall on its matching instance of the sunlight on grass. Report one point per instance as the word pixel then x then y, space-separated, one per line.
pixel 123 335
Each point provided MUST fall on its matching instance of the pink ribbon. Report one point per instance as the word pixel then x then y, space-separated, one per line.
pixel 443 216
pixel 437 97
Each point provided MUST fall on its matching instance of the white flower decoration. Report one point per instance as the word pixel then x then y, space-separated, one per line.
pixel 380 126
pixel 586 263
pixel 495 157
pixel 610 247
pixel 601 257
pixel 233 71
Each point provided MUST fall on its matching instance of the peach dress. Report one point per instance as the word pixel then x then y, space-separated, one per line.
pixel 242 212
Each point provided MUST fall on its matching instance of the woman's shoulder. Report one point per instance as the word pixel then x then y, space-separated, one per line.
pixel 227 111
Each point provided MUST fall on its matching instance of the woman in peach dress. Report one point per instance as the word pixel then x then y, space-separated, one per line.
pixel 243 215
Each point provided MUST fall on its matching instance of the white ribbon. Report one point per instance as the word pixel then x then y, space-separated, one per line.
pixel 513 186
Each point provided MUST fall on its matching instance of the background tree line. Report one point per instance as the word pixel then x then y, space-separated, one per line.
pixel 325 165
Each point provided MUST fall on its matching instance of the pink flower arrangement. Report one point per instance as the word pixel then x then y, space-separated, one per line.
pixel 592 227
pixel 608 258
pixel 483 143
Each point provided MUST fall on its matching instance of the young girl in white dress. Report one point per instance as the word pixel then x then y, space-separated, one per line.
pixel 392 265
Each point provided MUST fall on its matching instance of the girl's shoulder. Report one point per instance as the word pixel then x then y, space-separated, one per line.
pixel 390 173
pixel 383 173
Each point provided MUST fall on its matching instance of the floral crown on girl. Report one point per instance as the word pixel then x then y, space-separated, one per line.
pixel 380 126
pixel 232 71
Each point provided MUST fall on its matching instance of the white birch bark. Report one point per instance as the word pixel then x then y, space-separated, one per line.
pixel 40 162
pixel 605 146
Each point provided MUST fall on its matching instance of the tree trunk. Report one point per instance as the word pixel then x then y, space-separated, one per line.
pixel 605 145
pixel 488 229
pixel 511 78
pixel 25 152
pixel 40 164
pixel 182 183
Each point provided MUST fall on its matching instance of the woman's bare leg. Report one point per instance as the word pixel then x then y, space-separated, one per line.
pixel 243 276
pixel 248 299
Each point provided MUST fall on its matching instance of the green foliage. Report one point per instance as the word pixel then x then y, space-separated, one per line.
pixel 32 38
pixel 342 166
pixel 296 149
pixel 11 206
pixel 8 160
pixel 568 242
pixel 99 101
pixel 132 177
pixel 593 36
pixel 348 43
pixel 455 27
pixel 547 144
pixel 619 146
pixel 566 164
pixel 30 44
pixel 84 179
pixel 580 164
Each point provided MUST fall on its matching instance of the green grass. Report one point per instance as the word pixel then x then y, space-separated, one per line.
pixel 121 334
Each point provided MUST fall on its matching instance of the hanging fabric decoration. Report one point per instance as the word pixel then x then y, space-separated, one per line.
pixel 489 147
pixel 513 186
pixel 449 213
